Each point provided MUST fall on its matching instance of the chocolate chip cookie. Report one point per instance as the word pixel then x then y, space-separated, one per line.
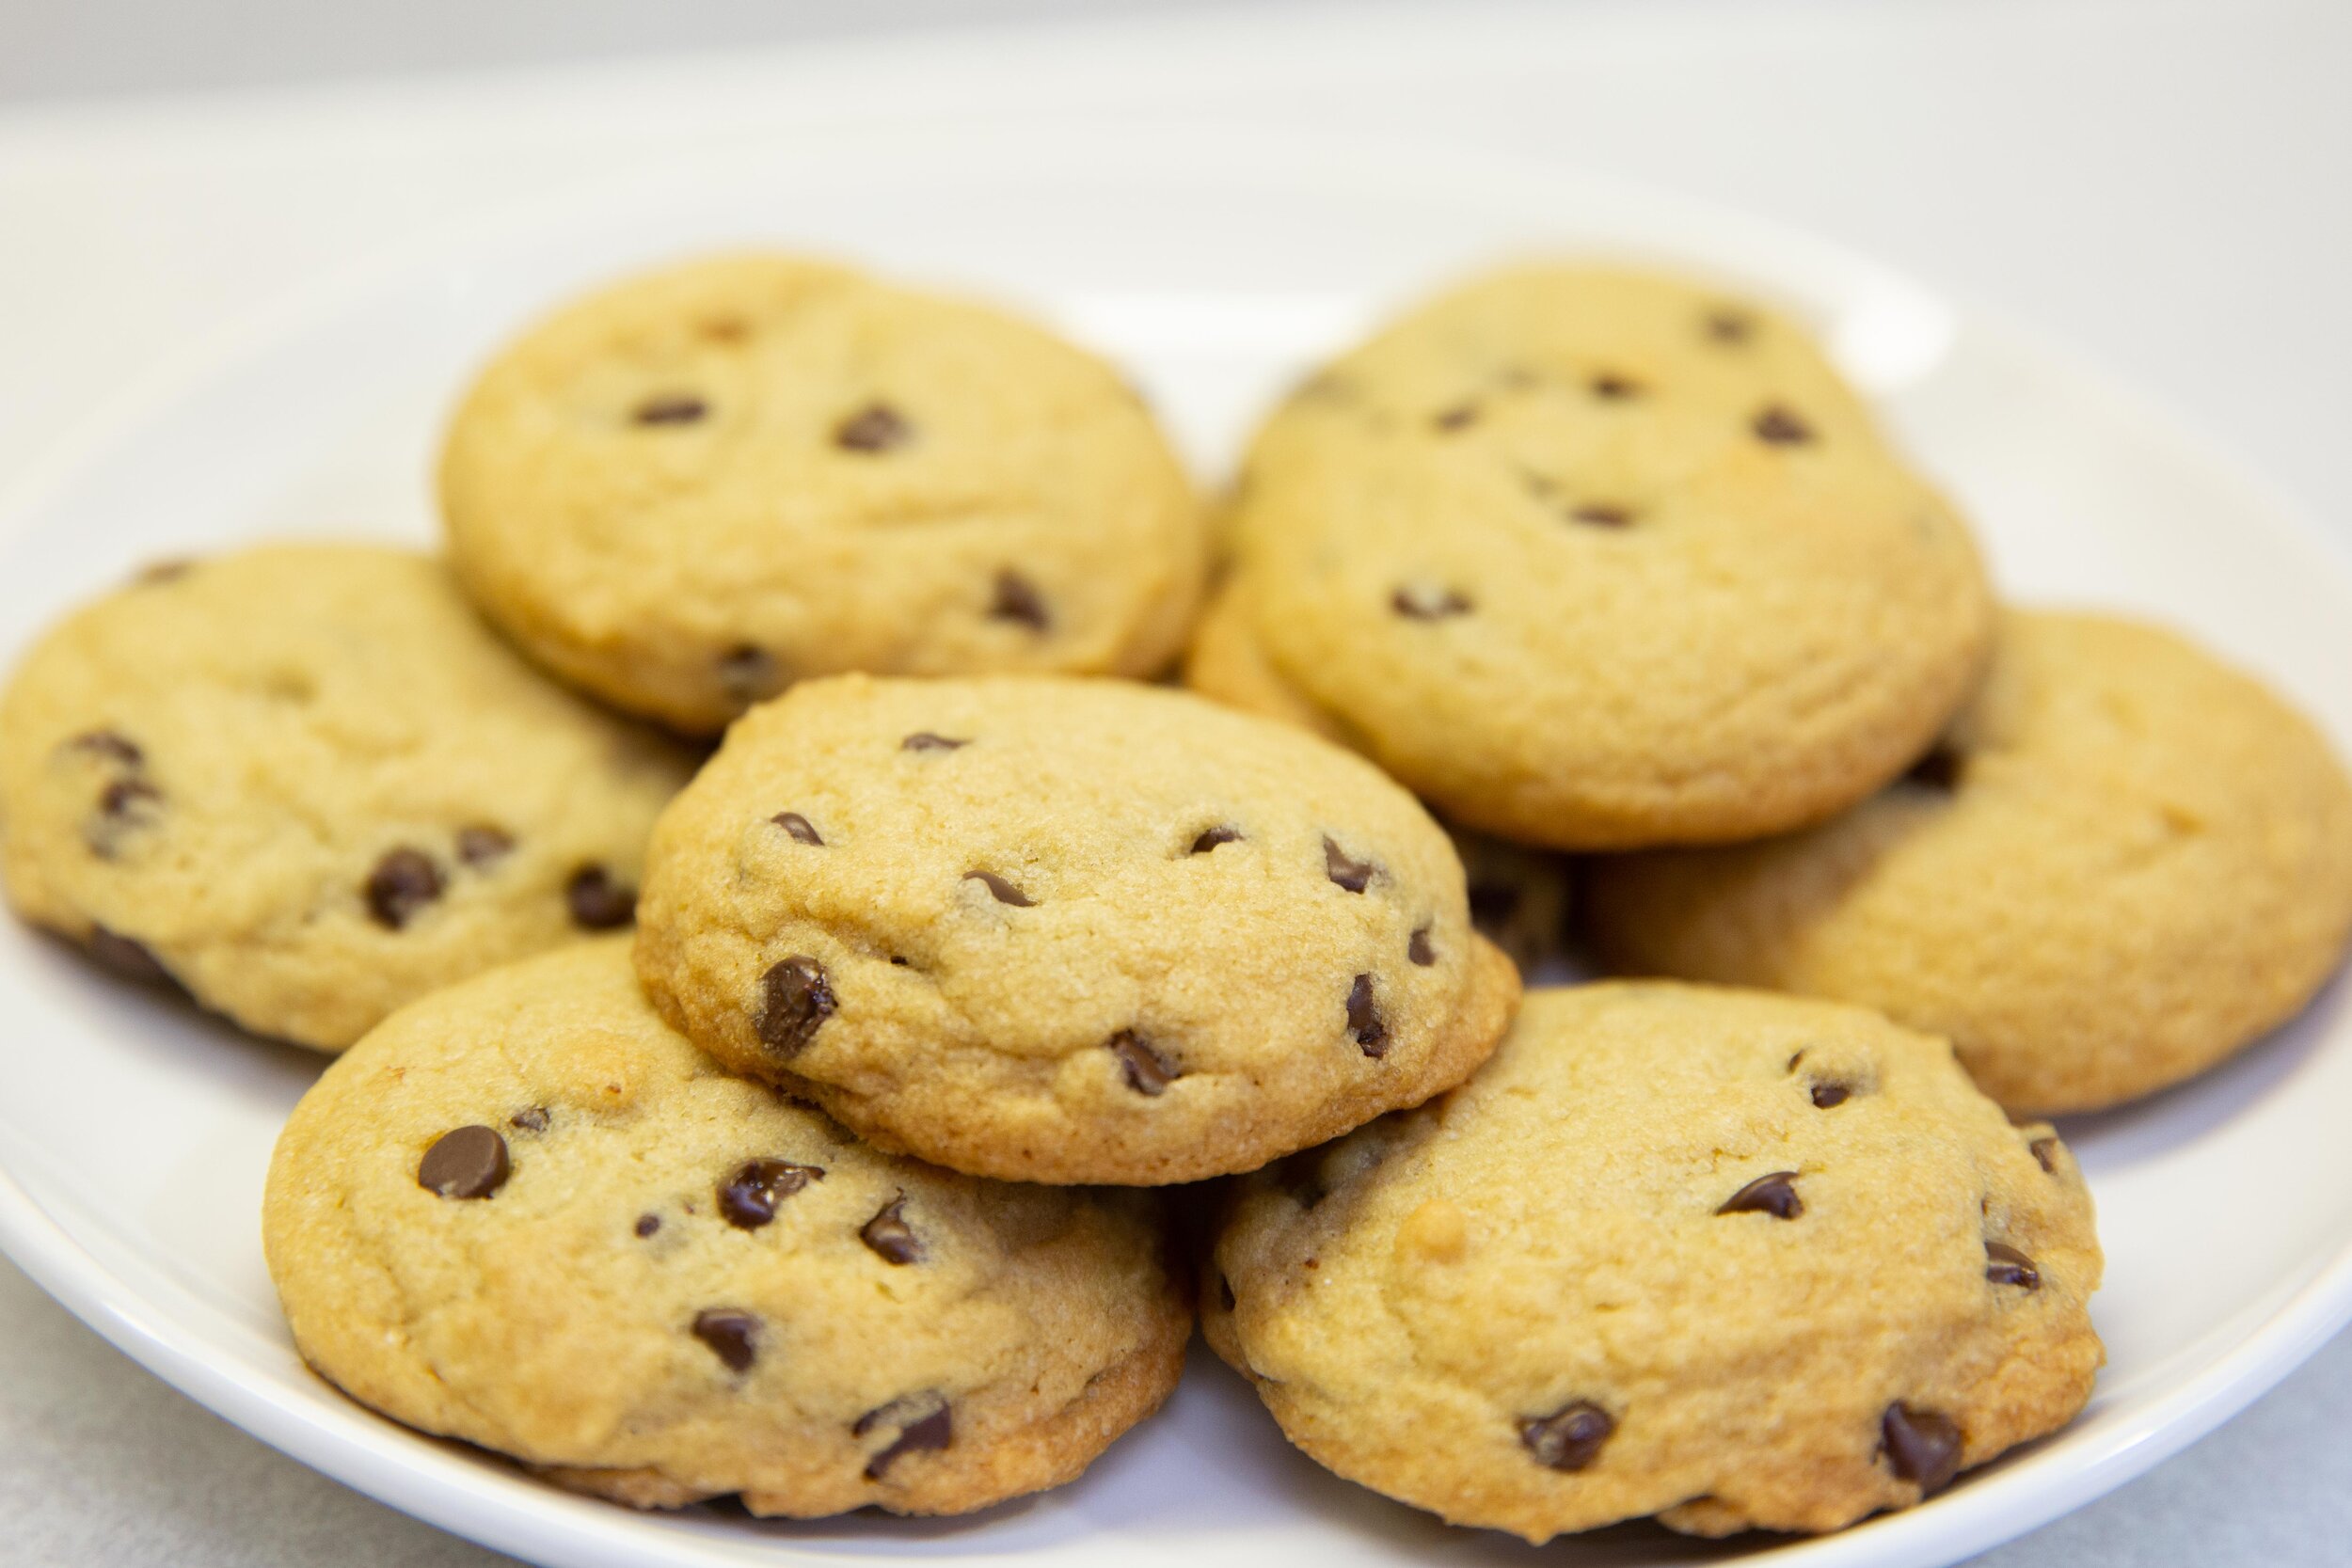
pixel 1597 560
pixel 526 1214
pixel 699 485
pixel 1734 1260
pixel 1065 930
pixel 307 783
pixel 2125 861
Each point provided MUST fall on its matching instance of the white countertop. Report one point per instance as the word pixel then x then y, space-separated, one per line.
pixel 2161 185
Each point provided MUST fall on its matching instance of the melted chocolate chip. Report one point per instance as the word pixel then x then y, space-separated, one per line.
pixel 877 427
pixel 110 745
pixel 801 830
pixel 1602 515
pixel 480 845
pixel 1460 417
pixel 1828 1094
pixel 2045 1152
pixel 924 1423
pixel 1147 1070
pixel 1570 1437
pixel 1211 837
pixel 531 1118
pixel 890 1237
pixel 732 1336
pixel 748 1197
pixel 128 959
pixel 466 1162
pixel 748 673
pixel 2005 1265
pixel 402 882
pixel 1017 599
pixel 1780 427
pixel 1363 1018
pixel 1418 949
pixel 923 740
pixel 598 902
pixel 795 999
pixel 126 799
pixel 1730 327
pixel 1922 1446
pixel 647 1223
pixel 1939 770
pixel 1225 1293
pixel 1004 890
pixel 1613 389
pixel 1352 875
pixel 1774 1194
pixel 1419 602
pixel 671 408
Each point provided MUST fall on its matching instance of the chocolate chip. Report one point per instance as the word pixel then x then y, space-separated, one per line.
pixel 598 902
pixel 748 1197
pixel 924 1423
pixel 1211 837
pixel 748 673
pixel 923 740
pixel 1922 1446
pixel 1730 327
pixel 671 408
pixel 2005 1265
pixel 1005 892
pixel 1225 1293
pixel 402 882
pixel 732 1336
pixel 1418 949
pixel 466 1162
pixel 1772 1195
pixel 108 744
pixel 1460 417
pixel 1602 515
pixel 128 959
pixel 647 1223
pixel 1613 389
pixel 479 847
pixel 1828 1094
pixel 799 827
pixel 877 427
pixel 2046 1153
pixel 1352 875
pixel 531 1118
pixel 1419 602
pixel 125 799
pixel 795 999
pixel 1017 599
pixel 1939 770
pixel 1363 1018
pixel 1781 427
pixel 1148 1071
pixel 890 1237
pixel 1570 1437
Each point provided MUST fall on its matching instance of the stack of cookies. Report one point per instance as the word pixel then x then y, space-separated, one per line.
pixel 990 1013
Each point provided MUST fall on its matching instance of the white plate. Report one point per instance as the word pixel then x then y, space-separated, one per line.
pixel 134 1134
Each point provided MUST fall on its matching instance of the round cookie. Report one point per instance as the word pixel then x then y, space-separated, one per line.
pixel 1734 1260
pixel 2124 863
pixel 526 1213
pixel 698 485
pixel 307 784
pixel 1065 930
pixel 1597 560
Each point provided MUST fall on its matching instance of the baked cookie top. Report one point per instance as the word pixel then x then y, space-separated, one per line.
pixel 1065 930
pixel 1736 1260
pixel 2126 861
pixel 1599 559
pixel 526 1214
pixel 694 487
pixel 307 784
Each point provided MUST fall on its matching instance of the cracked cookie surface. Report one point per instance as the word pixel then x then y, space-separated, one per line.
pixel 2125 861
pixel 307 784
pixel 1734 1259
pixel 526 1213
pixel 696 487
pixel 1597 559
pixel 1065 930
